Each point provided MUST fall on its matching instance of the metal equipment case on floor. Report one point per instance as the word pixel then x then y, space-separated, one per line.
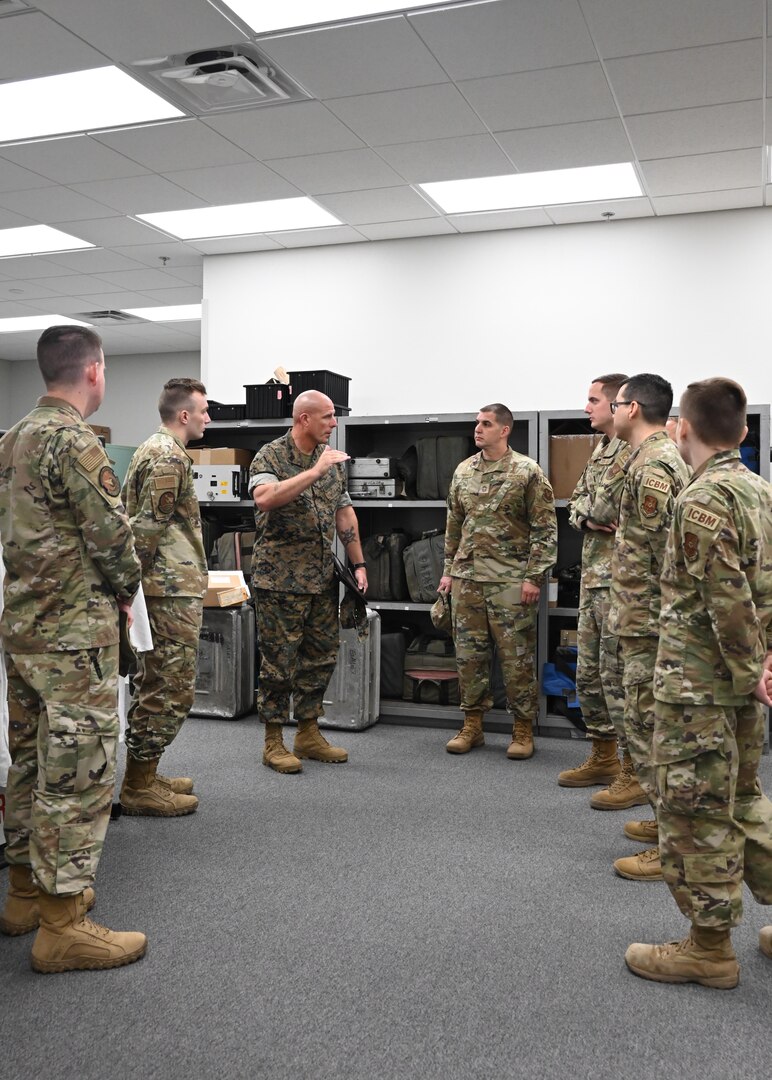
pixel 225 666
pixel 352 699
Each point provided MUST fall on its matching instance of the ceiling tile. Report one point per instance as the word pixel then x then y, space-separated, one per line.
pixel 537 98
pixel 192 275
pixel 305 127
pixel 52 205
pixel 182 144
pixel 29 268
pixel 500 219
pixel 702 201
pixel 92 261
pixel 68 305
pixel 384 54
pixel 426 112
pixel 345 170
pixel 224 184
pixel 115 300
pixel 9 309
pixel 626 27
pixel 686 78
pixel 447 159
pixel 31 46
pixel 13 178
pixel 494 39
pixel 336 234
pixel 139 280
pixel 697 131
pixel 74 284
pixel 620 208
pixel 380 204
pixel 228 245
pixel 703 172
pixel 140 195
pixel 11 220
pixel 109 231
pixel 567 146
pixel 178 254
pixel 24 290
pixel 143 28
pixel 190 294
pixel 395 230
pixel 71 160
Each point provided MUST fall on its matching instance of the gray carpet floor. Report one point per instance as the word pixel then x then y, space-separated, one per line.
pixel 408 915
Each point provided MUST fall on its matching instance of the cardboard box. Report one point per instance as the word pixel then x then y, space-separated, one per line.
pixel 568 639
pixel 102 432
pixel 568 456
pixel 221 455
pixel 226 588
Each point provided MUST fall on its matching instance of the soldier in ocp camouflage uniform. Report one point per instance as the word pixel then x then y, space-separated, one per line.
pixel 500 542
pixel 598 673
pixel 164 513
pixel 70 565
pixel 715 824
pixel 654 474
pixel 299 488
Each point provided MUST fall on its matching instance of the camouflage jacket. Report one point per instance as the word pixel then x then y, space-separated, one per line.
pixel 606 465
pixel 654 474
pixel 164 513
pixel 293 544
pixel 501 523
pixel 67 544
pixel 716 587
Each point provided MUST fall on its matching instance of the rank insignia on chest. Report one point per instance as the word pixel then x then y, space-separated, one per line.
pixel 109 481
pixel 166 502
pixel 691 546
pixel 613 470
pixel 650 506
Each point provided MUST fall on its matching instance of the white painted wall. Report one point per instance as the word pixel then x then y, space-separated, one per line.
pixel 5 393
pixel 130 407
pixel 526 316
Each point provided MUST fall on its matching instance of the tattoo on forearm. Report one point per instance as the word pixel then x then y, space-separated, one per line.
pixel 347 536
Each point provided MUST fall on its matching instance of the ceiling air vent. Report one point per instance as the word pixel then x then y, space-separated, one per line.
pixel 215 80
pixel 108 318
pixel 12 7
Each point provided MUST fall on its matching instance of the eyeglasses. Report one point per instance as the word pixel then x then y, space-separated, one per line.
pixel 614 405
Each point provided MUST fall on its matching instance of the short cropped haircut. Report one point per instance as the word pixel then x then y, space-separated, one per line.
pixel 611 383
pixel 176 395
pixel 64 352
pixel 716 409
pixel 654 396
pixel 501 412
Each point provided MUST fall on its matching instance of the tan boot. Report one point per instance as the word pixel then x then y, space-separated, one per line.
pixel 275 754
pixel 623 793
pixel 705 957
pixel 643 867
pixel 645 832
pixel 310 743
pixel 522 740
pixel 180 785
pixel 470 735
pixel 143 794
pixel 69 941
pixel 765 940
pixel 601 767
pixel 21 914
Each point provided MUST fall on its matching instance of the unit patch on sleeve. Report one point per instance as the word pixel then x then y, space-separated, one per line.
pixel 166 502
pixel 109 482
pixel 691 546
pixel 650 506
pixel 697 516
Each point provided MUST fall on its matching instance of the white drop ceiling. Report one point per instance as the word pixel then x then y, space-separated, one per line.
pixel 678 87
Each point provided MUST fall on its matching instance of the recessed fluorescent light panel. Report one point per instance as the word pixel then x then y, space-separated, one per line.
pixel 36 239
pixel 281 14
pixel 591 184
pixel 37 322
pixel 78 101
pixel 178 313
pixel 241 219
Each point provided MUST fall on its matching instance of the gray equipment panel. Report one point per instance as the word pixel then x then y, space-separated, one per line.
pixel 225 666
pixel 352 699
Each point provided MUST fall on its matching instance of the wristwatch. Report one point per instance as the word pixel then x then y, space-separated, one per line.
pixel 359 566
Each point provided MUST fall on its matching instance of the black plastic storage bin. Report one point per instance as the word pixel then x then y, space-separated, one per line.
pixel 266 401
pixel 326 382
pixel 219 411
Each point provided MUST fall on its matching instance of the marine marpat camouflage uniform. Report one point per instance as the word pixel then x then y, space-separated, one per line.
pixel 164 513
pixel 501 531
pixel 293 578
pixel 654 474
pixel 68 553
pixel 715 825
pixel 598 669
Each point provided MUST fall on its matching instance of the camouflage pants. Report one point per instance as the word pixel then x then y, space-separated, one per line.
pixel 485 614
pixel 299 637
pixel 715 824
pixel 165 684
pixel 598 669
pixel 63 732
pixel 638 655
